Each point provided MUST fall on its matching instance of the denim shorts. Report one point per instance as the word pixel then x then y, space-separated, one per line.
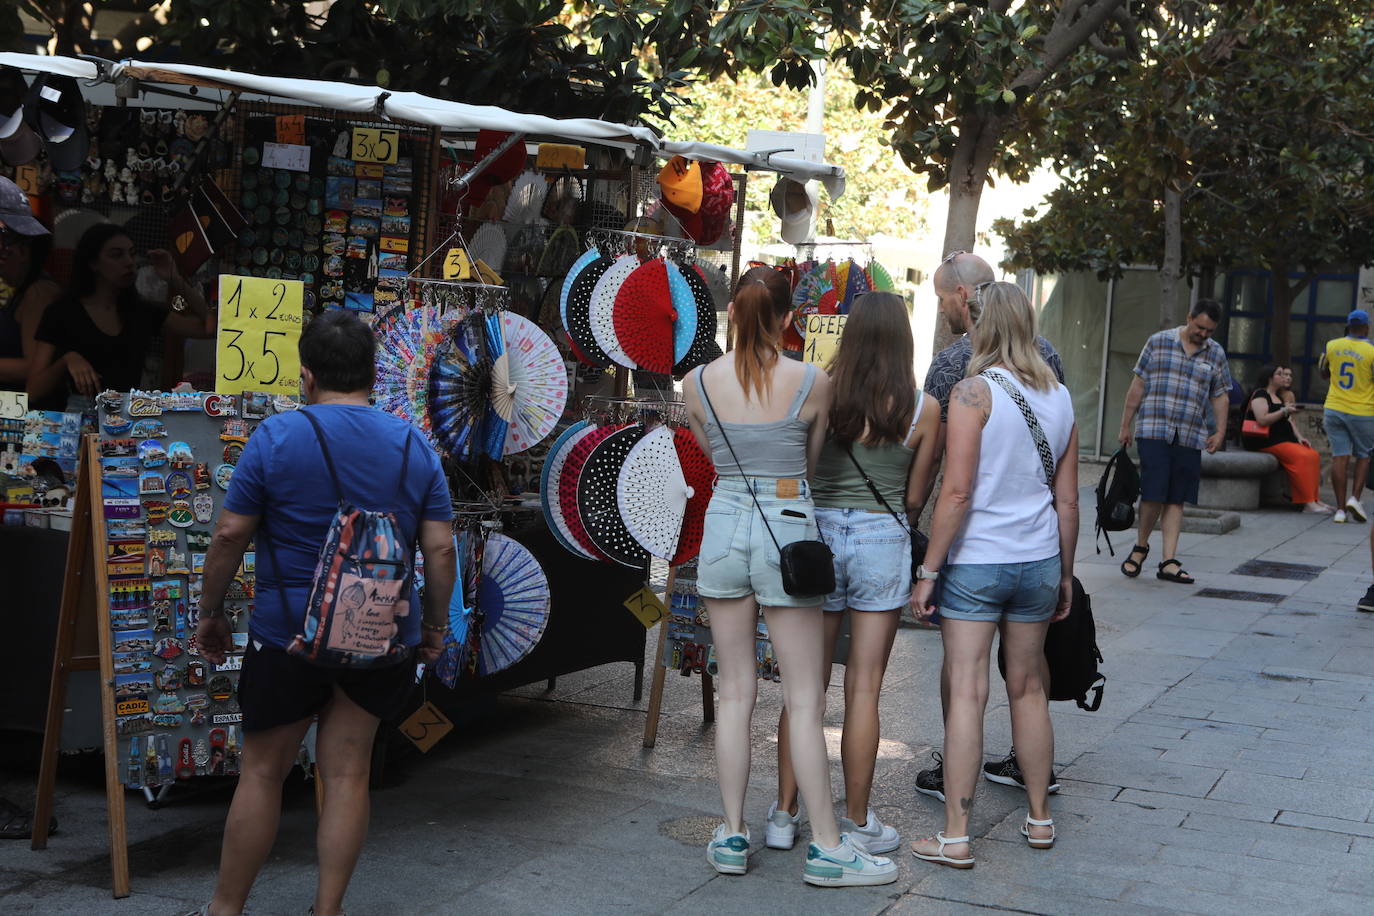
pixel 872 559
pixel 1349 434
pixel 738 557
pixel 1019 592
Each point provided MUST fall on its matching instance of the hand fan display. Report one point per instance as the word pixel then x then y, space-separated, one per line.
pixel 717 281
pixel 685 309
pixel 806 298
pixel 495 426
pixel 529 385
pixel 577 315
pixel 567 488
pixel 602 308
pixel 459 389
pixel 526 199
pixel 596 497
pixel 452 660
pixel 855 283
pixel 583 261
pixel 643 317
pixel 652 494
pixel 704 347
pixel 700 475
pixel 550 475
pixel 880 279
pixel 512 604
pixel 408 341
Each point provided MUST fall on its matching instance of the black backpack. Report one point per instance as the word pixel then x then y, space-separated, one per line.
pixel 1072 653
pixel 1117 491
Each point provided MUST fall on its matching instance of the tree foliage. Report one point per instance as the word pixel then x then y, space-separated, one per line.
pixel 1255 120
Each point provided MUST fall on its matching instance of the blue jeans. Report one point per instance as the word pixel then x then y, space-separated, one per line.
pixel 738 556
pixel 872 559
pixel 1019 592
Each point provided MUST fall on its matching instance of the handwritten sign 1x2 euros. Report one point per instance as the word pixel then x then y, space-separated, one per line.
pixel 259 327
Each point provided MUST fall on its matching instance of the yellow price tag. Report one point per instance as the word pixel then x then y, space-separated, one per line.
pixel 456 265
pixel 823 334
pixel 560 156
pixel 375 145
pixel 646 607
pixel 259 327
pixel 13 405
pixel 426 726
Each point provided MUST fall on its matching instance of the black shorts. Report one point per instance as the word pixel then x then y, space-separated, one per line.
pixel 1169 473
pixel 276 688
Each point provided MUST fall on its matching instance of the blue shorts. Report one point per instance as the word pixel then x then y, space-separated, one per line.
pixel 1019 592
pixel 738 557
pixel 1349 434
pixel 1169 473
pixel 872 559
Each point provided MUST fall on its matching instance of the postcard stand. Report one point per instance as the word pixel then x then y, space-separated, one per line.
pixel 81 613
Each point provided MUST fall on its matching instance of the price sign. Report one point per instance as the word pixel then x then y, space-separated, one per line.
pixel 375 145
pixel 259 327
pixel 646 607
pixel 823 338
pixel 426 726
pixel 456 265
pixel 291 129
pixel 13 405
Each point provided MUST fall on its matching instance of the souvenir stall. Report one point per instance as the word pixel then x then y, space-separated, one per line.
pixel 537 288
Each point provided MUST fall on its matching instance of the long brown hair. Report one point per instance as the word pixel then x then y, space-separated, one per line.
pixel 762 296
pixel 873 374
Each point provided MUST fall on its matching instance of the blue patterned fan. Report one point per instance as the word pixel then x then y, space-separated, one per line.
pixel 493 425
pixel 685 305
pixel 551 474
pixel 459 386
pixel 513 601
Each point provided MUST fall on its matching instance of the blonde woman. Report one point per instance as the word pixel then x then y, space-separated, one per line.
pixel 1000 557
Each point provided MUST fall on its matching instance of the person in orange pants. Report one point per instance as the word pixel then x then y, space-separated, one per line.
pixel 1268 428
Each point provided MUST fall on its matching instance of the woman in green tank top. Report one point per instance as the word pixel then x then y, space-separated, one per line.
pixel 883 432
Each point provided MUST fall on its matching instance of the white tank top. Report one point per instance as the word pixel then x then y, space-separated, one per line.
pixel 1011 517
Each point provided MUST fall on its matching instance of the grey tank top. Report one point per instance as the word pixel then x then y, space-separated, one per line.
pixel 776 449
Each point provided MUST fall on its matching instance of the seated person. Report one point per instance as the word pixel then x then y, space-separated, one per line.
pixel 24 245
pixel 1270 406
pixel 96 337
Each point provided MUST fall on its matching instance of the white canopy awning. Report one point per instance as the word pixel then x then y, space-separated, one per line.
pixel 449 116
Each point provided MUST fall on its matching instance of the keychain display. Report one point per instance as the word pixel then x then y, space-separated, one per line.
pixel 687 648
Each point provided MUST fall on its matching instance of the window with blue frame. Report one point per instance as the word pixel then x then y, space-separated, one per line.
pixel 1318 316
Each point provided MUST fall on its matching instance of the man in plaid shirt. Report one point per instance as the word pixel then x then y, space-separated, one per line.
pixel 1179 371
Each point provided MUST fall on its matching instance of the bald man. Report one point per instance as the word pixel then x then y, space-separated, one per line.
pixel 956 281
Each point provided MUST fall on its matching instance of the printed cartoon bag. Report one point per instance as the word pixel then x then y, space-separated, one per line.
pixel 361 590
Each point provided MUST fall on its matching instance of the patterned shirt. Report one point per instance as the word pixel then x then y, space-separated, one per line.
pixel 1178 389
pixel 949 365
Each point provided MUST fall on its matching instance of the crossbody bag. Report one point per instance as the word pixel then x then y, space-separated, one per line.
pixel 807 567
pixel 1042 444
pixel 919 542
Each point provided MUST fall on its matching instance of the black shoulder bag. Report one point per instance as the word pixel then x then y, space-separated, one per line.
pixel 919 542
pixel 808 567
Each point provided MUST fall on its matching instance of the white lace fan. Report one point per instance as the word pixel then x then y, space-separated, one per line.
pixel 652 493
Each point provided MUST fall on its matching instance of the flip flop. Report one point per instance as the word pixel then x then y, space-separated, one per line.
pixel 1181 576
pixel 1131 561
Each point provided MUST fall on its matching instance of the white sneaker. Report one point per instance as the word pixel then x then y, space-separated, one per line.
pixel 1339 517
pixel 874 837
pixel 781 832
pixel 728 852
pixel 846 866
pixel 1352 505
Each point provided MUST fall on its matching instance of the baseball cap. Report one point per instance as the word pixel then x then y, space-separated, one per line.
pixel 795 204
pixel 15 212
pixel 19 145
pixel 57 113
pixel 1359 316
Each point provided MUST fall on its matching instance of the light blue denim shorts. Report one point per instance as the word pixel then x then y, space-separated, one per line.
pixel 872 559
pixel 1348 433
pixel 1019 592
pixel 738 557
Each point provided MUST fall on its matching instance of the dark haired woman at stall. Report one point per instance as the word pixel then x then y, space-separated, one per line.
pixel 96 337
pixel 24 246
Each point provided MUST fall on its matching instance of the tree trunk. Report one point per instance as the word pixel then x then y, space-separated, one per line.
pixel 1171 271
pixel 1285 291
pixel 979 136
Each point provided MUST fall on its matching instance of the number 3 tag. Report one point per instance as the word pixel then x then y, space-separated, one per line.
pixel 426 726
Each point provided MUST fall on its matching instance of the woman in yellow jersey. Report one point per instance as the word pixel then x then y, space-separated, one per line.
pixel 1349 414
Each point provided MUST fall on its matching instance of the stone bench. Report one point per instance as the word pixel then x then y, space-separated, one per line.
pixel 1231 480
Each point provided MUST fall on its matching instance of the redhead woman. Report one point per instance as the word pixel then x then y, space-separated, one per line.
pixel 883 431
pixel 762 418
pixel 1000 558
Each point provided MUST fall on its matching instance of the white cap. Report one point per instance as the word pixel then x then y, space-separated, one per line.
pixel 795 204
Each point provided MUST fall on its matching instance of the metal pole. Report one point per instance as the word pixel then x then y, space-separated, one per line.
pixel 1106 354
pixel 462 181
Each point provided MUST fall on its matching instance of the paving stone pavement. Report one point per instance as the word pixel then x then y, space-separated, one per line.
pixel 1225 773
